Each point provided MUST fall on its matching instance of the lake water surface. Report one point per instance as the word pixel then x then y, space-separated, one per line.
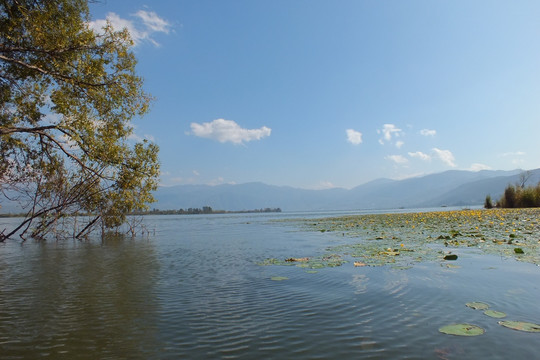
pixel 194 290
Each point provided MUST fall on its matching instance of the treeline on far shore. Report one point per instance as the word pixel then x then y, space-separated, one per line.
pixel 190 211
pixel 204 210
pixel 516 196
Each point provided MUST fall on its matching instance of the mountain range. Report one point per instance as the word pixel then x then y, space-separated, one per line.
pixel 450 188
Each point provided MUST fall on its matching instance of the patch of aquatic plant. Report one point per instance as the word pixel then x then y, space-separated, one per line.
pixel 413 237
pixel 473 330
pixel 477 305
pixel 521 326
pixel 495 314
pixel 328 260
pixel 462 330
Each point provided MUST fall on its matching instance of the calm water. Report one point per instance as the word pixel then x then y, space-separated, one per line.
pixel 194 291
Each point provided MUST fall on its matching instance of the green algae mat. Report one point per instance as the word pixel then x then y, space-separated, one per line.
pixel 402 239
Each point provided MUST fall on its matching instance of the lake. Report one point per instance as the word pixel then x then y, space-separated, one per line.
pixel 195 289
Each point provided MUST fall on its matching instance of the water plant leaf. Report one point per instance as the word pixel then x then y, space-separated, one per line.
pixel 495 314
pixel 462 330
pixel 477 305
pixel 518 250
pixel 304 259
pixel 279 278
pixel 521 326
pixel 450 257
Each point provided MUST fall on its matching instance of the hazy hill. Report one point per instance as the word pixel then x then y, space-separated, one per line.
pixel 448 188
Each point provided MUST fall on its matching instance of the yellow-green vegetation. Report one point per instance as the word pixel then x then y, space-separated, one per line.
pixel 67 98
pixel 407 238
pixel 519 197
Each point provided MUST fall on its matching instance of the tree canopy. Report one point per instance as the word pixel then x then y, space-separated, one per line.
pixel 67 98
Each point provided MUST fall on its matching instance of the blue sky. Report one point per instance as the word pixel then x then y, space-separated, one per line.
pixel 318 94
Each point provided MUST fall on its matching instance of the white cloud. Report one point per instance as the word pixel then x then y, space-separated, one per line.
pixel 354 137
pixel 217 181
pixel 399 144
pixel 445 156
pixel 398 159
pixel 196 173
pixel 478 167
pixel 145 24
pixel 428 132
pixel 153 22
pixel 389 131
pixel 228 131
pixel 420 155
pixel 515 153
pixel 324 185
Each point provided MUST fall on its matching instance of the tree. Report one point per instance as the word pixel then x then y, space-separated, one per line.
pixel 524 176
pixel 487 203
pixel 67 98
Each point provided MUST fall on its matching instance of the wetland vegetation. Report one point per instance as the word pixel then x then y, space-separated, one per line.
pixel 403 239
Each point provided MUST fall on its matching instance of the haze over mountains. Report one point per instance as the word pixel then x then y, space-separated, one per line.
pixel 450 188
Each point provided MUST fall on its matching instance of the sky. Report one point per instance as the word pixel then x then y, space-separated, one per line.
pixel 318 94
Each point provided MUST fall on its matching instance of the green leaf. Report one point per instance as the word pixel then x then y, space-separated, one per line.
pixel 518 250
pixel 477 305
pixel 279 278
pixel 495 314
pixel 462 330
pixel 521 326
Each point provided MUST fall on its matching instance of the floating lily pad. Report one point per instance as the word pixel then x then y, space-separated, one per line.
pixel 279 278
pixel 518 251
pixel 477 305
pixel 462 330
pixel 521 326
pixel 450 257
pixel 495 314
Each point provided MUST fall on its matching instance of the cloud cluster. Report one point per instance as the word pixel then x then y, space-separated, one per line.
pixel 479 167
pixel 228 131
pixel 420 155
pixel 398 159
pixel 141 27
pixel 390 131
pixel 428 132
pixel 354 137
pixel 445 156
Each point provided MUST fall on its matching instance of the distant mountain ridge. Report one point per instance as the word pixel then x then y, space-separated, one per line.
pixel 450 188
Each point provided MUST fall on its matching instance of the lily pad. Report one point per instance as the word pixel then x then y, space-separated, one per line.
pixel 462 330
pixel 279 278
pixel 521 326
pixel 477 305
pixel 495 314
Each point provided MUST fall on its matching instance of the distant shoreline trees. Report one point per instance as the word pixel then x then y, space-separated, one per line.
pixel 204 210
pixel 517 196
